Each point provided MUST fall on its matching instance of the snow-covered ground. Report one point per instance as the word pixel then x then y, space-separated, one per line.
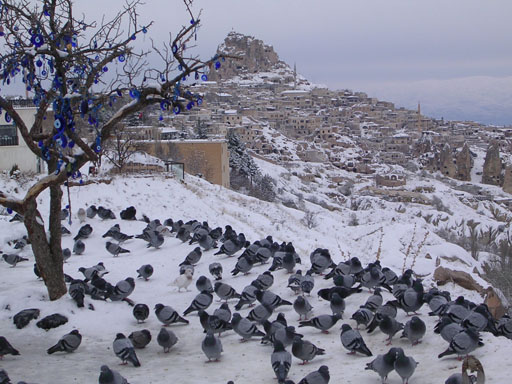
pixel 162 198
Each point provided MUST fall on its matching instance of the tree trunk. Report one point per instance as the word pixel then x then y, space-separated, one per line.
pixel 48 254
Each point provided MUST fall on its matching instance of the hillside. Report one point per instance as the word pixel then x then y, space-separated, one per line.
pixel 391 230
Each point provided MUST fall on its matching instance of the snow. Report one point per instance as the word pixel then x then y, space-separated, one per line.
pixel 161 197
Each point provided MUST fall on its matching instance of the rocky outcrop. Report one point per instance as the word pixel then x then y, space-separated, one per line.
pixel 492 166
pixel 446 164
pixel 507 179
pixel 444 275
pixel 464 164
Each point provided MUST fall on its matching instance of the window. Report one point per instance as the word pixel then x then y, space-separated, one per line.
pixel 8 135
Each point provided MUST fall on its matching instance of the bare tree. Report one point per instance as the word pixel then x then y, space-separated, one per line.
pixel 72 67
pixel 121 147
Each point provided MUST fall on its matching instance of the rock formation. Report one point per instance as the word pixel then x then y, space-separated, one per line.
pixel 464 164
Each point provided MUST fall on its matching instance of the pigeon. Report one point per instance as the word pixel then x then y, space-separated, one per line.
pixel 193 256
pixel 260 313
pixel 183 281
pixel 154 239
pixel 505 327
pixel 63 231
pixel 66 254
pixel 120 237
pixel 52 321
pixel 412 298
pixel 320 260
pixel 404 365
pixel 13 259
pixel 17 217
pixel 322 322
pixel 77 292
pixel 78 247
pixel 109 376
pixel 447 329
pixel 201 302
pixel 390 326
pixel 123 348
pixel 463 343
pixel 22 318
pixel 212 347
pixel 84 232
pixel 281 361
pixel 230 247
pixel 244 327
pixel 383 364
pixel 145 271
pixel 294 281
pixel 115 249
pixel 225 291
pixel 285 335
pixel 128 213
pixel 480 320
pixel 243 265
pixel 389 275
pixel 388 309
pixel 374 301
pixel 223 312
pixel 114 229
pixel 105 213
pixel 36 271
pixel 207 242
pixel 352 340
pixel 91 211
pixel 457 311
pixel 414 330
pixel 337 304
pixel 264 281
pixel 166 339
pixel 4 377
pixel 185 266
pixel 216 270
pixel 270 299
pixel 204 284
pixel 140 312
pixel 81 214
pixel 64 213
pixel 326 293
pixel 288 262
pixel 122 289
pixel 67 343
pixel 140 339
pixel 183 234
pixel 307 283
pixel 305 350
pixel 317 377
pixel 346 281
pixel 167 315
pixel 213 323
pixel 6 348
pixel 302 307
pixel 455 378
pixel 247 297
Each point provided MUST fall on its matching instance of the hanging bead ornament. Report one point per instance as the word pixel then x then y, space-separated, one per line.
pixel 7 117
pixel 196 76
pixel 174 49
pixel 176 110
pixel 199 101
pixel 134 93
pixel 97 144
pixel 144 30
pixel 164 105
pixel 204 77
pixel 217 64
pixel 121 58
pixel 190 105
pixel 37 40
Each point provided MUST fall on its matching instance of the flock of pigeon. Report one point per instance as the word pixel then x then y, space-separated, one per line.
pixel 460 321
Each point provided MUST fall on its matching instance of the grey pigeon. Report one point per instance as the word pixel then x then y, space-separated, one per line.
pixel 91 211
pixel 13 259
pixel 123 348
pixel 260 313
pixel 322 322
pixel 216 270
pixel 204 284
pixel 264 281
pixel 212 347
pixel 281 361
pixel 247 297
pixel 447 329
pixel 244 327
pixel 390 327
pixel 404 365
pixel 317 377
pixel 207 242
pixel 155 239
pixel 77 292
pixel 223 312
pixel 294 281
pixel 109 376
pixel 140 338
pixel 166 339
pixel 81 214
pixel 128 213
pixel 115 249
pixel 113 229
pixel 374 301
pixel 145 271
pixel 52 321
pixel 337 304
pixel 193 256
pixel 286 335
pixel 414 330
pixel 63 230
pixel 243 265
pixel 4 377
pixel 307 283
pixel 270 299
pixel 78 247
pixel 463 343
pixel 352 340
pixel 140 312
pixel 383 364
pixel 200 302
pixel 6 348
pixel 84 232
pixel 305 350
pixel 22 318
pixel 67 343
pixel 302 307
pixel 105 213
pixel 120 237
pixel 167 315
pixel 320 260
pixel 66 254
pixel 456 378
pixel 225 291
pixel 213 323
pixel 122 289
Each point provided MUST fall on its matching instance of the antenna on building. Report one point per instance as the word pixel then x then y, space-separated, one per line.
pixel 418 124
pixel 294 75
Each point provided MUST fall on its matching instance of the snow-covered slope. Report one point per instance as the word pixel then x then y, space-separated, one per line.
pixel 382 226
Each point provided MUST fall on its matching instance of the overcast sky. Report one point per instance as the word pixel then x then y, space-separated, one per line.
pixel 455 56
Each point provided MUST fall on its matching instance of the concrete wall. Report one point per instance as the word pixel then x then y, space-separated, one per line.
pixel 20 154
pixel 209 158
